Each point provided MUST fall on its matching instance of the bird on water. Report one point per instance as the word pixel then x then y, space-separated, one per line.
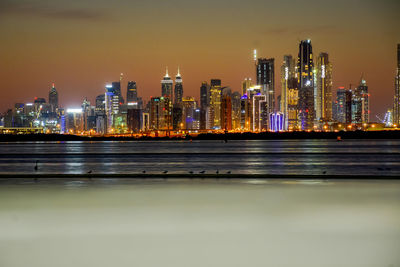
pixel 165 172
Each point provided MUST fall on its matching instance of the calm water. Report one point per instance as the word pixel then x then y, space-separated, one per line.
pixel 194 222
pixel 198 223
pixel 380 157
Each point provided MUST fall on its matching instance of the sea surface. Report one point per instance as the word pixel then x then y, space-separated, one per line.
pixel 313 157
pixel 201 222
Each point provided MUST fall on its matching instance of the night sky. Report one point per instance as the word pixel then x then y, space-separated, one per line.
pixel 82 45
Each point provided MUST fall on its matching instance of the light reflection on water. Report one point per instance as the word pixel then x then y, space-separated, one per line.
pixel 175 222
pixel 359 157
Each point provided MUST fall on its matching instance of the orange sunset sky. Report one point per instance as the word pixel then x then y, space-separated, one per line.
pixel 82 45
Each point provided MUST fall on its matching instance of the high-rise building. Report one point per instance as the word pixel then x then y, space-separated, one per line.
pixel 166 86
pixel 204 104
pixel 287 75
pixel 292 117
pixel 226 109
pixel 134 120
pixel 236 110
pixel 396 106
pixel 53 99
pixel 215 104
pixel 112 104
pixel 343 105
pixel 178 92
pixel 131 93
pixel 159 113
pixel 323 97
pixel 259 112
pixel 305 78
pixel 360 103
pixel 117 89
pixel 266 79
pixel 247 83
pixel 188 112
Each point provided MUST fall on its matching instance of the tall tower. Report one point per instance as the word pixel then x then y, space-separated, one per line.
pixel 396 107
pixel 323 98
pixel 287 73
pixel 166 85
pixel 131 93
pixel 215 104
pixel 53 98
pixel 266 79
pixel 204 104
pixel 305 78
pixel 360 103
pixel 178 92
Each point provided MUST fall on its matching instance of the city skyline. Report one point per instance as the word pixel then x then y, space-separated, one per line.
pixel 80 47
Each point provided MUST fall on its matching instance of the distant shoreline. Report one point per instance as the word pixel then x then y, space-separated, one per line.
pixel 395 134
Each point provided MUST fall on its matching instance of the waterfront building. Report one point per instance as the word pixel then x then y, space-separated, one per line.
pixel 245 113
pixel 160 113
pixel 226 109
pixel 177 117
pixel 247 83
pixel 277 121
pixel 291 121
pixel 131 93
pixel 259 112
pixel 188 109
pixel 288 74
pixel 343 113
pixel 265 70
pixel 305 79
pixel 166 85
pixel 178 92
pixel 396 106
pixel 53 99
pixel 134 120
pixel 323 96
pixel 360 103
pixel 204 103
pixel 215 104
pixel 236 97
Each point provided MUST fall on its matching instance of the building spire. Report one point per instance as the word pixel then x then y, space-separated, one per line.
pixel 178 72
pixel 166 72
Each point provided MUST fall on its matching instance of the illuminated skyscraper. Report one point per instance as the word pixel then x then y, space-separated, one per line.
pixel 287 74
pixel 166 85
pixel 215 104
pixel 305 78
pixel 204 104
pixel 236 110
pixel 343 105
pixel 112 105
pixel 53 99
pixel 131 93
pixel 247 83
pixel 292 117
pixel 266 79
pixel 396 106
pixel 260 114
pixel 323 98
pixel 178 92
pixel 226 109
pixel 160 113
pixel 188 112
pixel 360 103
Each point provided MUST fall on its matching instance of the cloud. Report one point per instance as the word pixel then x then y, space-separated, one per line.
pixel 13 8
